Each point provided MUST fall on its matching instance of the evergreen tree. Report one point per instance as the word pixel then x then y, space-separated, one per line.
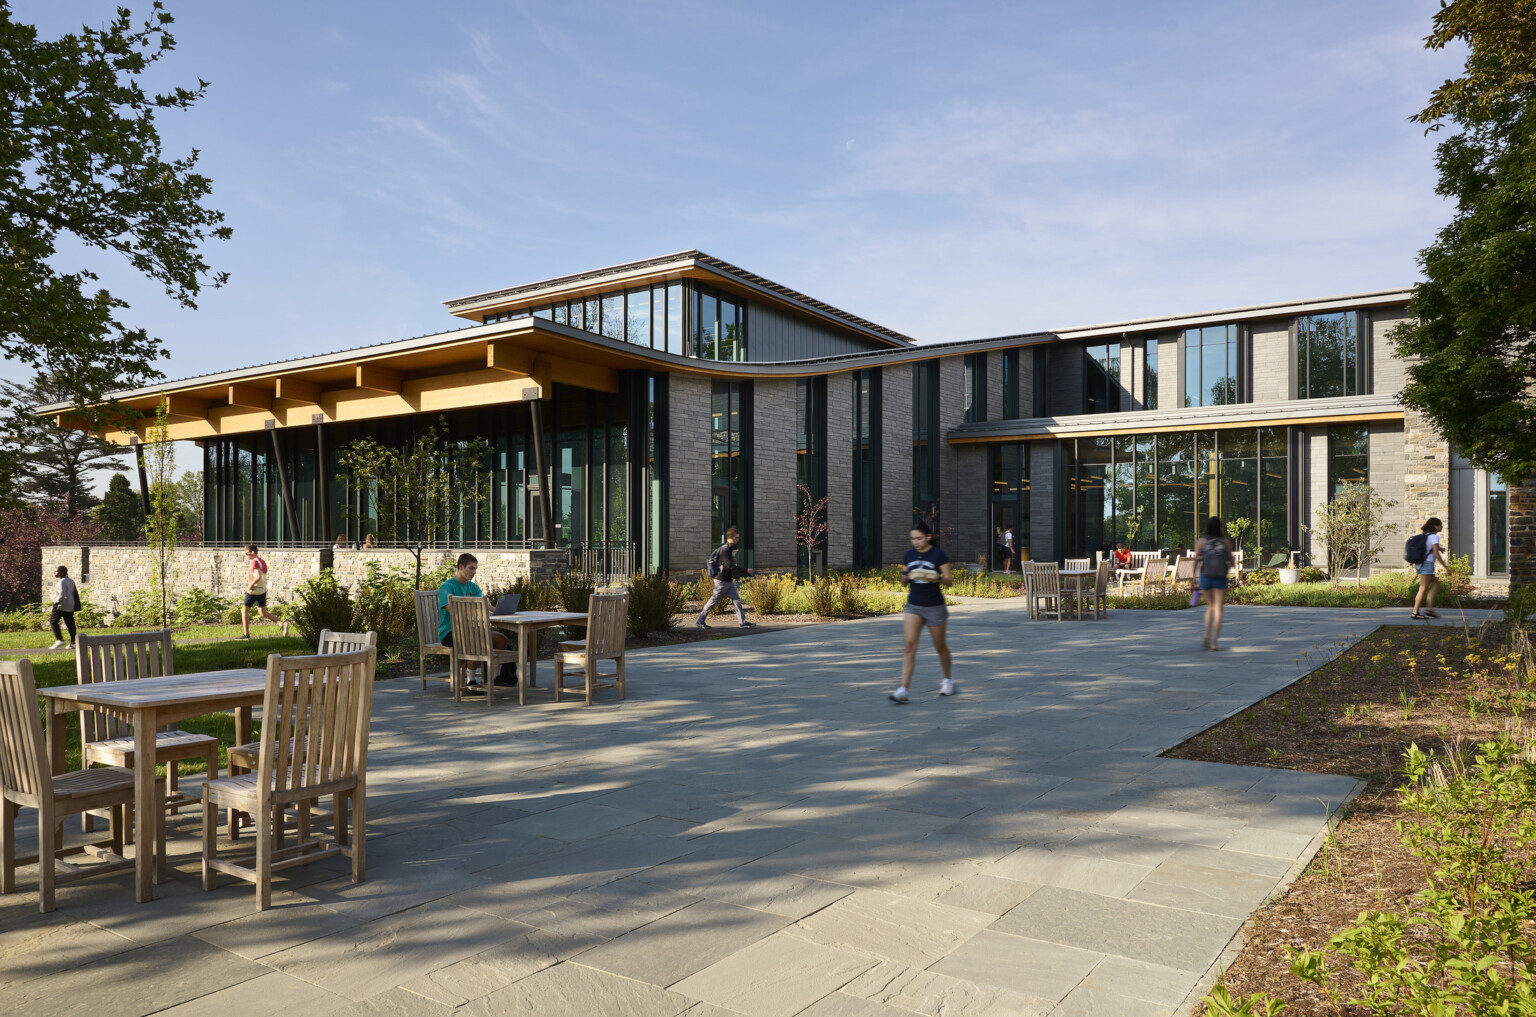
pixel 51 465
pixel 121 512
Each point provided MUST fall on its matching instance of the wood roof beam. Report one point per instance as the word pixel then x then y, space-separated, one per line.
pixel 298 390
pixel 250 397
pixel 372 378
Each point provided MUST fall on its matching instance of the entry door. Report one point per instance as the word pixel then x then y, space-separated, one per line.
pixel 1005 516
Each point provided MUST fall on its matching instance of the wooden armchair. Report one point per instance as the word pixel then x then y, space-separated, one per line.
pixel 27 780
pixel 472 644
pixel 243 758
pixel 1045 590
pixel 1152 576
pixel 427 643
pixel 1097 596
pixel 1183 572
pixel 607 626
pixel 107 739
pixel 1078 564
pixel 314 742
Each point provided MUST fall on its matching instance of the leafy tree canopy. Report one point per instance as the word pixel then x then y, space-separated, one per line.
pixel 121 512
pixel 80 157
pixel 50 465
pixel 1472 333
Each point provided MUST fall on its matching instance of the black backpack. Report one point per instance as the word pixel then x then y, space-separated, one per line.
pixel 1417 549
pixel 1215 558
pixel 712 566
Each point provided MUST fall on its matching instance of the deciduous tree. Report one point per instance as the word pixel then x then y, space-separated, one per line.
pixel 121 512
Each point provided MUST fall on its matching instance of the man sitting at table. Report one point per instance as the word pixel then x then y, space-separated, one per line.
pixel 462 584
pixel 1122 557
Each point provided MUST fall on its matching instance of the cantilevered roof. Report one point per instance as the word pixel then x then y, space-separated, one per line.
pixel 683 262
pixel 1348 301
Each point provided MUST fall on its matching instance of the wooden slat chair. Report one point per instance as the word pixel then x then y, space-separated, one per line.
pixel 314 742
pixel 427 644
pixel 1152 577
pixel 27 780
pixel 1078 564
pixel 1026 569
pixel 107 739
pixel 1140 558
pixel 607 627
pixel 472 644
pixel 1183 574
pixel 1096 597
pixel 1045 589
pixel 242 758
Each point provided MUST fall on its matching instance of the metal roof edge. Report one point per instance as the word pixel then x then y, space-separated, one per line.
pixel 1374 297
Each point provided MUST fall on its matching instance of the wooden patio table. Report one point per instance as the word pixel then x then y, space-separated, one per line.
pixel 528 624
pixel 1075 576
pixel 148 704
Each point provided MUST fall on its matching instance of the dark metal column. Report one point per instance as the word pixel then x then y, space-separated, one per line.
pixel 546 510
pixel 322 477
pixel 295 534
pixel 138 455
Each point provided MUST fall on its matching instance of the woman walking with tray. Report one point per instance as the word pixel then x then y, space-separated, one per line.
pixel 924 572
pixel 1214 554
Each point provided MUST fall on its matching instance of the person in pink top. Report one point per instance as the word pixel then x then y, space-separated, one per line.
pixel 256 594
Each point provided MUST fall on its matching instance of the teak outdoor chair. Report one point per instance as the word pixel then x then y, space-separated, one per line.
pixel 472 644
pixel 607 627
pixel 1183 572
pixel 1152 575
pixel 314 742
pixel 242 758
pixel 107 739
pixel 1045 588
pixel 1026 569
pixel 26 780
pixel 1100 591
pixel 427 644
pixel 1077 564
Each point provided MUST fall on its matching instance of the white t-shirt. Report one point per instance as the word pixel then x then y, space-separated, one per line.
pixel 1008 538
pixel 1430 543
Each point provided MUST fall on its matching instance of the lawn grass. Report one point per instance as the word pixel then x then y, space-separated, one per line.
pixel 59 669
pixel 32 640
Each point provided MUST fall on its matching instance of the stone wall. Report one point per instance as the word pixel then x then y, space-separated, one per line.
pixel 1041 545
pixel 895 461
pixel 1272 374
pixel 974 528
pixel 775 500
pixel 1522 533
pixel 688 511
pixel 1426 470
pixel 110 575
pixel 951 414
pixel 993 410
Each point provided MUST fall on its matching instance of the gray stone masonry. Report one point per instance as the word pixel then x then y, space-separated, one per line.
pixel 1388 374
pixel 1027 383
pixel 688 485
pixel 1170 369
pixel 775 501
pixel 1426 470
pixel 1271 361
pixel 840 470
pixel 1041 545
pixel 951 414
pixel 1387 480
pixel 115 573
pixel 1315 492
pixel 895 461
pixel 974 535
pixel 1522 533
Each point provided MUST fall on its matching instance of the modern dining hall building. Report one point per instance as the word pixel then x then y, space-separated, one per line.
pixel 633 413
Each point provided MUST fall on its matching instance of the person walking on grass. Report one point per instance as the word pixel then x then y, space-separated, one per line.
pixel 722 569
pixel 1213 552
pixel 1429 583
pixel 924 572
pixel 66 601
pixel 256 594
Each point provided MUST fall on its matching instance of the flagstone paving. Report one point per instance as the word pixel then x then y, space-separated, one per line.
pixel 757 831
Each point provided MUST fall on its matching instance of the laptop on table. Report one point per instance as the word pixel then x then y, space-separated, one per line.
pixel 507 604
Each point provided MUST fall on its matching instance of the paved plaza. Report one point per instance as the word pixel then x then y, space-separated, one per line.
pixel 757 831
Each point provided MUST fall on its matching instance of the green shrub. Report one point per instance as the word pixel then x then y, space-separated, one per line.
pixel 1463 945
pixel 574 591
pixel 768 594
pixel 824 597
pixel 653 600
pixel 440 575
pixel 89 616
pixel 323 603
pixel 197 606
pixel 141 611
pixel 1458 575
pixel 1313 574
pixel 30 618
pixel 1261 577
pixel 385 605
pixel 848 587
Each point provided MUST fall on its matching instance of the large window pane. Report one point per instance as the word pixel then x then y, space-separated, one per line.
pixel 1151 382
pixel 675 319
pixel 1327 356
pixel 1498 524
pixel 613 316
pixel 1349 456
pixel 638 325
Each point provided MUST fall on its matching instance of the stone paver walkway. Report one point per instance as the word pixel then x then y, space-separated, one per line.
pixel 757 831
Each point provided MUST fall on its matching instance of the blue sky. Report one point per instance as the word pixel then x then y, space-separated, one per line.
pixel 949 170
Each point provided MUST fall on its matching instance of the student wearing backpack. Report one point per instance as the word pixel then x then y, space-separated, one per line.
pixel 721 567
pixel 1422 552
pixel 1214 553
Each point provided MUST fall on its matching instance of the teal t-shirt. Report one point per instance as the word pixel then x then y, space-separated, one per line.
pixel 451 588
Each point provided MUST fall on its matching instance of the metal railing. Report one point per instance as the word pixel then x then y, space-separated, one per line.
pixel 612 561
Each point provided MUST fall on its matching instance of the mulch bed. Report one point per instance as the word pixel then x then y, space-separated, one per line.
pixel 1356 715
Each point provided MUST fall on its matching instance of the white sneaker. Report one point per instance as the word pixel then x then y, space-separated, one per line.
pixel 58 644
pixel 947 689
pixel 899 697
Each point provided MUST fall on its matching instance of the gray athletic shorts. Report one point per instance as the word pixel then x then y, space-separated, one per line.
pixel 935 615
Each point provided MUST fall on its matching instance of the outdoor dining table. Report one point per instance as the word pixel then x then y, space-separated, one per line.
pixel 528 624
pixel 149 704
pixel 1076 578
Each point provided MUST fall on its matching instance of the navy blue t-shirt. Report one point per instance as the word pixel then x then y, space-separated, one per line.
pixel 925 594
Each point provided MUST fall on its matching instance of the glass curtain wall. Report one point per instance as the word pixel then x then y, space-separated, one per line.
pixel 1149 398
pixel 811 459
pixel 1349 456
pixel 1009 497
pixel 866 468
pixel 1011 360
pixel 1328 361
pixel 1498 525
pixel 649 316
pixel 1210 365
pixel 1155 491
pixel 719 325
pixel 1101 388
pixel 975 387
pixel 925 436
pixel 587 449
pixel 729 471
